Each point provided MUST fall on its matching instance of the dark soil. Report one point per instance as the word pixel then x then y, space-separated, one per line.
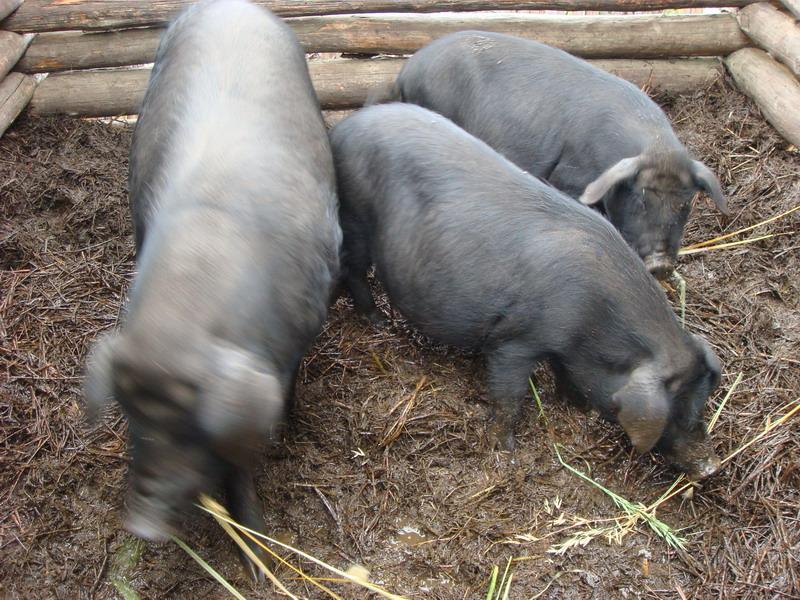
pixel 415 497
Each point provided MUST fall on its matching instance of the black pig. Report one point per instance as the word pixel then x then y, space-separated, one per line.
pixel 590 134
pixel 477 253
pixel 234 203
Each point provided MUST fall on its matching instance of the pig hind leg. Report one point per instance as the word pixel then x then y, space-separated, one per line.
pixel 509 368
pixel 357 261
pixel 245 507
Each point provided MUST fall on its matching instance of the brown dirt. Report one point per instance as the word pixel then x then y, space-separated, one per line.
pixel 422 502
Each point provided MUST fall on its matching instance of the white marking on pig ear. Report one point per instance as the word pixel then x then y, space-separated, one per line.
pixel 708 182
pixel 624 169
pixel 642 408
pixel 242 402
pixel 98 386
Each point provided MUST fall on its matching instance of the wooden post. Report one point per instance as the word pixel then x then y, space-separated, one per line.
pixel 596 37
pixel 7 7
pixel 64 15
pixel 775 32
pixel 771 86
pixel 16 91
pixel 340 83
pixel 12 46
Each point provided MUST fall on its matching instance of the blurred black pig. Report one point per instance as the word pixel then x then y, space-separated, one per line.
pixel 234 204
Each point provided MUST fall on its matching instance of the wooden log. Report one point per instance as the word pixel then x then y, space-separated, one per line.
pixel 595 37
pixel 677 76
pixel 346 83
pixel 771 86
pixel 648 36
pixel 793 6
pixel 7 7
pixel 64 51
pixel 340 83
pixel 12 46
pixel 16 91
pixel 774 31
pixel 91 93
pixel 61 15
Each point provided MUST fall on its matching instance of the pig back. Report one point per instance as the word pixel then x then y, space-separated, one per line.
pixel 471 248
pixel 232 186
pixel 229 98
pixel 555 115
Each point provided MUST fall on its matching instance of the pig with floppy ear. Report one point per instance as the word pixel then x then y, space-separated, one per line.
pixel 627 168
pixel 242 403
pixel 653 416
pixel 642 408
pixel 239 400
pixel 648 200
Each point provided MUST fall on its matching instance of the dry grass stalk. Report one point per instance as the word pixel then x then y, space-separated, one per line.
pixel 220 515
pixel 396 428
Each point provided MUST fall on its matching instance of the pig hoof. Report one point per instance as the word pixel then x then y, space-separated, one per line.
pixel 501 439
pixel 252 568
pixel 376 319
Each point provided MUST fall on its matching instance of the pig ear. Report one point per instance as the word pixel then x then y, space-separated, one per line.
pixel 242 402
pixel 643 409
pixel 708 182
pixel 624 169
pixel 711 360
pixel 98 384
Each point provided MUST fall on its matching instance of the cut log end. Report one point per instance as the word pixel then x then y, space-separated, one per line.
pixel 774 31
pixel 772 87
pixel 16 91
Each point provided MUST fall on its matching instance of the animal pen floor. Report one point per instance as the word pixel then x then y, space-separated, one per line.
pixel 386 463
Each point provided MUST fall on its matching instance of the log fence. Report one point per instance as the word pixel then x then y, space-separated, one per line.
pixel 88 58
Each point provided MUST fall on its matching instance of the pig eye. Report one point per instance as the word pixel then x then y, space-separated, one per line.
pixel 640 199
pixel 673 385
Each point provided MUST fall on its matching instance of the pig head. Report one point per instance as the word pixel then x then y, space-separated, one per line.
pixel 661 406
pixel 648 199
pixel 193 417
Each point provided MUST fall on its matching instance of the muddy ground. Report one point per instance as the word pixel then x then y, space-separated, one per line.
pixel 418 499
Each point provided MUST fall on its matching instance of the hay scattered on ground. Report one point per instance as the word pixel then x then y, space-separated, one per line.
pixel 412 493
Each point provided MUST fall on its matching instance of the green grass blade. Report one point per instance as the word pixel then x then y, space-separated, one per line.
pixel 722 404
pixel 209 569
pixel 492 583
pixel 536 397
pixel 635 511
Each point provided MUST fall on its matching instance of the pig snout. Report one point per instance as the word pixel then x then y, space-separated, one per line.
pixel 149 518
pixel 697 459
pixel 660 265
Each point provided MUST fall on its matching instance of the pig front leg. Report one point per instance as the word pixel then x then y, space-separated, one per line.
pixel 245 508
pixel 357 261
pixel 509 367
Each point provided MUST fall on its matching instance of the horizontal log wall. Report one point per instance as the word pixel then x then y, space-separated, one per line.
pixel 61 15
pixel 595 37
pixel 79 36
pixel 340 84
